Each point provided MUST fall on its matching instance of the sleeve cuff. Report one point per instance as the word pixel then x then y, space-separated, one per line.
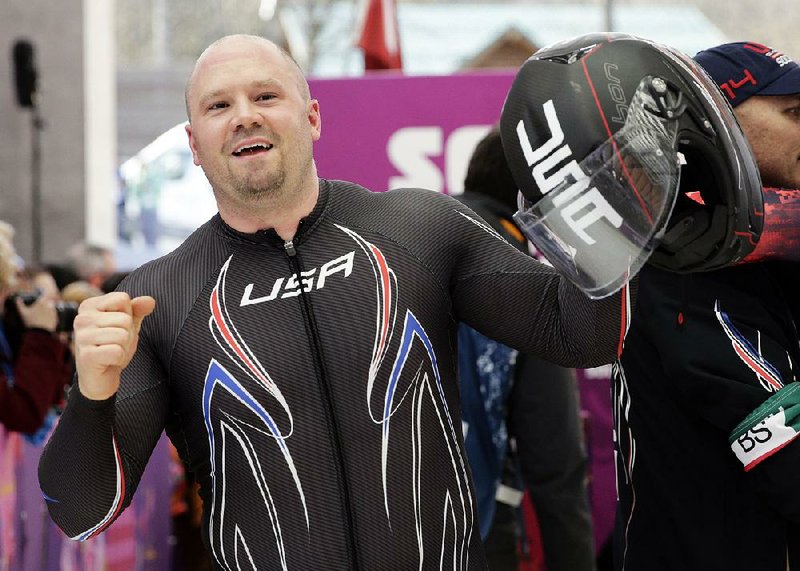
pixel 79 401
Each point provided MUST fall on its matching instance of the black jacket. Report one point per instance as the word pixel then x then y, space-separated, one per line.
pixel 703 351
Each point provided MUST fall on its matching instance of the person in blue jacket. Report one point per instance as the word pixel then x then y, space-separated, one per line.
pixel 520 413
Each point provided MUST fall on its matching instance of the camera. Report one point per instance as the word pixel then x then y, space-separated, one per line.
pixel 65 310
pixel 28 298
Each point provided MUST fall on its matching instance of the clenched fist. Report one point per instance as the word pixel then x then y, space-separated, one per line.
pixel 106 336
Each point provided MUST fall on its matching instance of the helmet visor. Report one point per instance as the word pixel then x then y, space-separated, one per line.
pixel 603 216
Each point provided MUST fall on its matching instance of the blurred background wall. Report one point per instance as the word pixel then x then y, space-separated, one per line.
pixel 75 100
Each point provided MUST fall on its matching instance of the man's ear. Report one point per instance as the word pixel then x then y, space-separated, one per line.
pixel 192 145
pixel 315 119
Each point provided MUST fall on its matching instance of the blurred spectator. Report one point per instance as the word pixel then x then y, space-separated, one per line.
pixel 92 263
pixel 79 290
pixel 35 365
pixel 32 278
pixel 27 539
pixel 534 402
pixel 62 274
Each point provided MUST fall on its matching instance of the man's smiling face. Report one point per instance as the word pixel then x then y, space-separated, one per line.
pixel 252 123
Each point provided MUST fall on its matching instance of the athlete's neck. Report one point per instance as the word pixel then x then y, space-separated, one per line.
pixel 282 213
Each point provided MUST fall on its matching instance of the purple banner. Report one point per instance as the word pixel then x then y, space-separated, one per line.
pixel 387 130
pixel 138 541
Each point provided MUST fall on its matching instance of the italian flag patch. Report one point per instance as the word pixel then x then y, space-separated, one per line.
pixel 768 428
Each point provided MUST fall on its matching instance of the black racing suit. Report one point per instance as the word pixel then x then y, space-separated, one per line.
pixel 704 351
pixel 310 386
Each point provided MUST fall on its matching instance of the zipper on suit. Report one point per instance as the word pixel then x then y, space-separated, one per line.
pixel 305 300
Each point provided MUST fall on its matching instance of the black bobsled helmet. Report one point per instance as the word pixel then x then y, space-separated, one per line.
pixel 624 151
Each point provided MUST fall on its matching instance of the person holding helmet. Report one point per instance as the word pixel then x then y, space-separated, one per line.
pixel 706 396
pixel 298 348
